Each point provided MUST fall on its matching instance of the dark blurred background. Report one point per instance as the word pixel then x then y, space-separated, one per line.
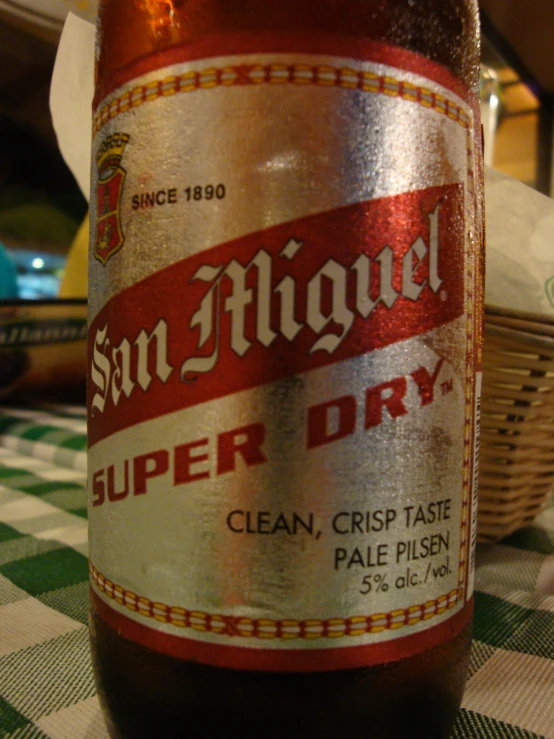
pixel 41 206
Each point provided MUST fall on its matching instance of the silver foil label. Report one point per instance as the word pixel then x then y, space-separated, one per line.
pixel 282 359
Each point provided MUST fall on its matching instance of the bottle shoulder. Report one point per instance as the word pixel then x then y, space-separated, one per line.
pixel 445 31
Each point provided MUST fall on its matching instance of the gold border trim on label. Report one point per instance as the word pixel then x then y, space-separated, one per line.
pixel 268 628
pixel 323 75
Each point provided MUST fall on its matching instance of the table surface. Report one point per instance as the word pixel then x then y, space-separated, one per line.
pixel 46 683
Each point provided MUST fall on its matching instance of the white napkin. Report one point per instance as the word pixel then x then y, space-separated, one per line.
pixel 520 245
pixel 71 96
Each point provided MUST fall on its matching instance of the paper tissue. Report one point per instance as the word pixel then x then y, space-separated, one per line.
pixel 520 246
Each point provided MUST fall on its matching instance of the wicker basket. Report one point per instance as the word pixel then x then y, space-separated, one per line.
pixel 517 422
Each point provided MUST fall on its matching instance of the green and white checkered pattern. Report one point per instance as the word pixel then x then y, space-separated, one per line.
pixel 46 684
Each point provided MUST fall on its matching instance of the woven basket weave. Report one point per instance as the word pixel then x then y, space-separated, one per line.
pixel 516 475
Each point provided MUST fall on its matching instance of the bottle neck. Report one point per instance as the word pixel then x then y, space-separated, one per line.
pixel 444 31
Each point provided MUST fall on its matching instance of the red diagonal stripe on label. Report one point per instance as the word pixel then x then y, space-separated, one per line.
pixel 298 296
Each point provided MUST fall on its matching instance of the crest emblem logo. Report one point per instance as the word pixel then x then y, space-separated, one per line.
pixel 109 237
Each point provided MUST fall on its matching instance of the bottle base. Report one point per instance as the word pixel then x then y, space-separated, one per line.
pixel 146 695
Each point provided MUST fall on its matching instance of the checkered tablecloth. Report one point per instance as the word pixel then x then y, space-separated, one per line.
pixel 46 684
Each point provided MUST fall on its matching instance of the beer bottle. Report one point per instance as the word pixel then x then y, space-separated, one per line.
pixel 284 348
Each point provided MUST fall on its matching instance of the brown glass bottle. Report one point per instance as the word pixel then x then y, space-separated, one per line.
pixel 146 694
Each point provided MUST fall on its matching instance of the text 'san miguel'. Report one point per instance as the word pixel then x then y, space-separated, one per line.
pixel 324 303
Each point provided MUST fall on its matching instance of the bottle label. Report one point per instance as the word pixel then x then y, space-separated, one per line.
pixel 285 254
